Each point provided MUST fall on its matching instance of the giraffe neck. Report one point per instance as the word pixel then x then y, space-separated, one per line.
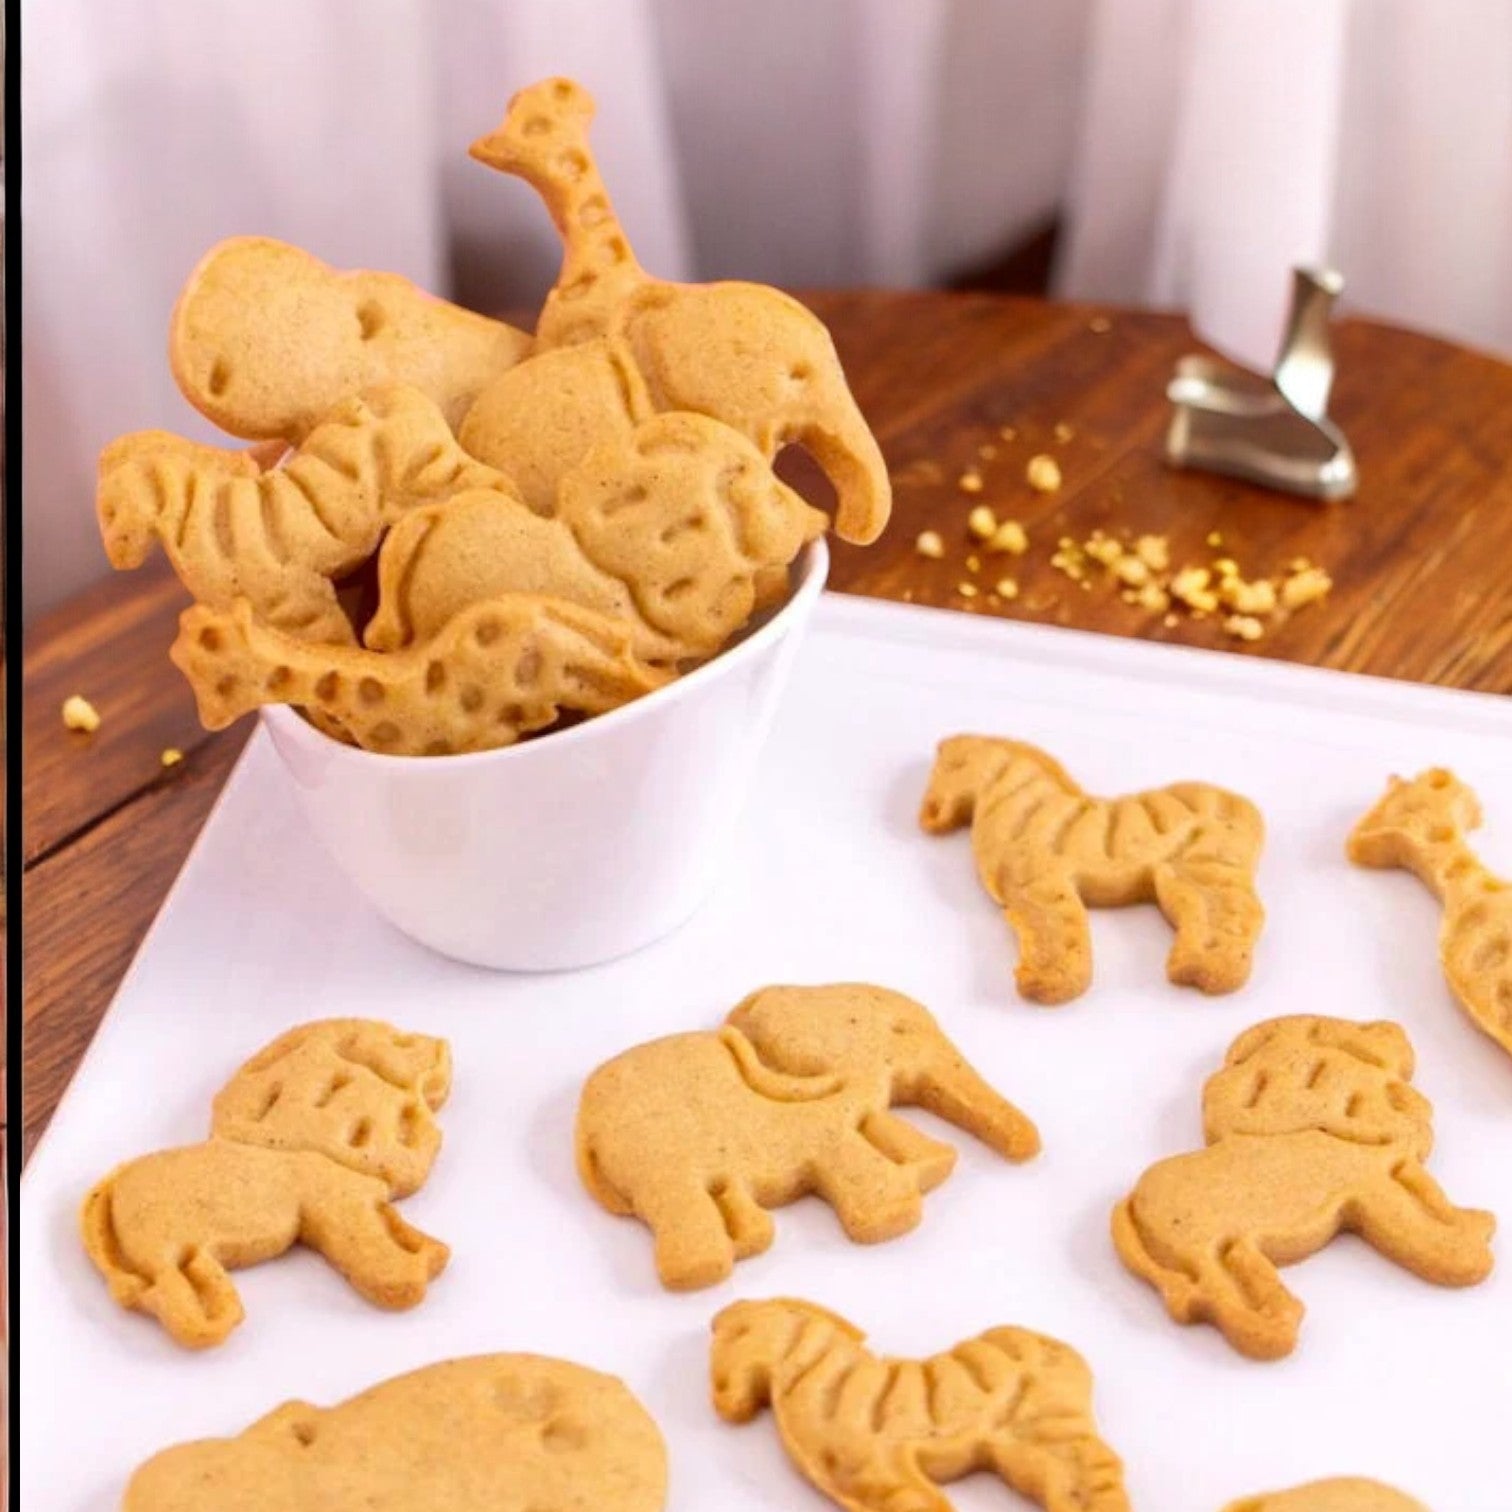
pixel 1450 867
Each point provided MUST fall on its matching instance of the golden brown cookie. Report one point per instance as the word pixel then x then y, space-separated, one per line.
pixel 624 346
pixel 280 538
pixel 362 1092
pixel 881 1434
pixel 497 671
pixel 491 1433
pixel 266 340
pixel 1046 851
pixel 1343 1494
pixel 1312 1130
pixel 699 1134
pixel 311 1139
pixel 668 530
pixel 1421 826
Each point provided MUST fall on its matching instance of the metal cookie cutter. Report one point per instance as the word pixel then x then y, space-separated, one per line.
pixel 1274 431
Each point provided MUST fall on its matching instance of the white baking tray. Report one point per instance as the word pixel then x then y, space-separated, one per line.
pixel 1393 1377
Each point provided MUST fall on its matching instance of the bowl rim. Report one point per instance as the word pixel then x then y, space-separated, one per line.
pixel 812 564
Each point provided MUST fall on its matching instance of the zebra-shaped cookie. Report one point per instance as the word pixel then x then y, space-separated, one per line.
pixel 1045 851
pixel 882 1435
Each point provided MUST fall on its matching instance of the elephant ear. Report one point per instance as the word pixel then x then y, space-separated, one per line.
pixel 767 1081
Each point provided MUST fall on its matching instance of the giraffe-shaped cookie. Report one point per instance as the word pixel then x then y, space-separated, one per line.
pixel 1421 826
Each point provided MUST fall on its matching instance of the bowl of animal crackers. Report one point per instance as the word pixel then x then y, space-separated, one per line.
pixel 516 609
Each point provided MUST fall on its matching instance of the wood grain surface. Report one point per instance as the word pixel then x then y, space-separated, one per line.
pixel 1421 561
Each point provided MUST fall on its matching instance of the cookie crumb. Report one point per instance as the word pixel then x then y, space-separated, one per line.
pixel 1248 598
pixel 982 523
pixel 1062 432
pixel 987 451
pixel 80 714
pixel 171 756
pixel 1154 551
pixel 973 563
pixel 1244 627
pixel 1214 538
pixel 1102 549
pixel 1306 585
pixel 1011 537
pixel 967 590
pixel 1226 567
pixel 1007 432
pixel 1006 588
pixel 1169 622
pixel 1190 587
pixel 1043 473
pixel 1099 325
pixel 970 481
pixel 929 544
pixel 1131 571
pixel 1070 559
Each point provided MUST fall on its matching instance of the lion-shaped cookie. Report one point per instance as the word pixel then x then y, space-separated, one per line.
pixel 1312 1130
pixel 311 1141
pixel 491 1433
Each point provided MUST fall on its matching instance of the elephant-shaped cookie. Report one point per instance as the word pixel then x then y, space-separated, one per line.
pixel 1313 1129
pixel 310 1143
pixel 699 1134
pixel 489 1433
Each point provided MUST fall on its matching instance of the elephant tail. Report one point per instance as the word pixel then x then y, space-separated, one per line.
pixel 97 1223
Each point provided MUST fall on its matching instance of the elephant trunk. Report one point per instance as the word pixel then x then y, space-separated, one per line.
pixel 949 1087
pixel 847 452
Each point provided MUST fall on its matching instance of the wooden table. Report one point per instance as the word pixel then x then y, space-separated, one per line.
pixel 1421 562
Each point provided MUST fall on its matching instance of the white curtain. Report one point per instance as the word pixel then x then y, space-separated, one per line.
pixel 1223 141
pixel 1197 147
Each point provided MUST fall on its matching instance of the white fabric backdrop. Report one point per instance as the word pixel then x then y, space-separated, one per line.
pixel 1199 148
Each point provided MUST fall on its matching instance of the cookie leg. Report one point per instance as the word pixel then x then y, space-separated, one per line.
pixel 1408 1219
pixel 694 1246
pixel 748 1224
pixel 194 1300
pixel 384 1258
pixel 900 1142
pixel 1046 913
pixel 1249 1303
pixel 873 1197
pixel 1058 1464
pixel 892 1481
pixel 1212 906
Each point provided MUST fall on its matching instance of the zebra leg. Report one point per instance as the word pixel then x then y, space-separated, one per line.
pixel 1045 911
pixel 1212 906
pixel 1058 1463
pixel 874 1197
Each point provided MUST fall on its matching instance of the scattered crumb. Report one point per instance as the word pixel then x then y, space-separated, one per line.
pixel 1226 567
pixel 1131 571
pixel 1070 559
pixel 1169 622
pixel 1305 586
pixel 80 714
pixel 1154 551
pixel 1248 598
pixel 1011 537
pixel 967 590
pixel 1099 325
pixel 1043 473
pixel 1007 432
pixel 908 595
pixel 973 563
pixel 982 523
pixel 1298 564
pixel 929 544
pixel 1103 549
pixel 1243 627
pixel 970 481
pixel 1154 598
pixel 171 757
pixel 1006 588
pixel 1215 538
pixel 1190 587
pixel 1062 432
pixel 987 451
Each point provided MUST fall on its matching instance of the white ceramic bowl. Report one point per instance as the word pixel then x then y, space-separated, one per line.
pixel 566 850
